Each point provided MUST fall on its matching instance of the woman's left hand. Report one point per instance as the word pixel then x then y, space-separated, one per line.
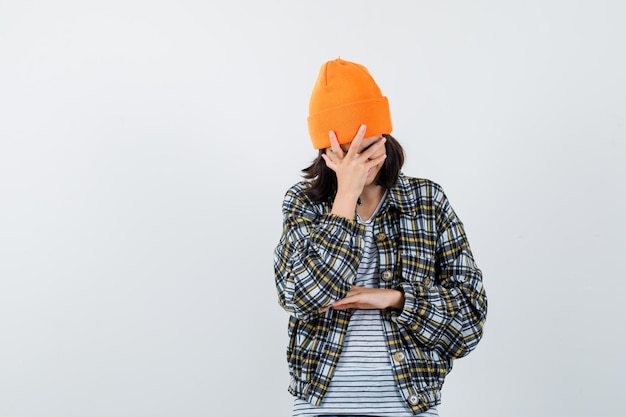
pixel 369 299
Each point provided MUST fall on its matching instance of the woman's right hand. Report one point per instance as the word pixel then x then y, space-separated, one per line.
pixel 351 168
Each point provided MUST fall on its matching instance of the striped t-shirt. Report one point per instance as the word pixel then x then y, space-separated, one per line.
pixel 363 381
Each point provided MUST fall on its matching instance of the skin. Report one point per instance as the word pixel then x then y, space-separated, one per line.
pixel 356 166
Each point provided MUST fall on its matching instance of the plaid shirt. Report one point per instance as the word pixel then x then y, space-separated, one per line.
pixel 423 252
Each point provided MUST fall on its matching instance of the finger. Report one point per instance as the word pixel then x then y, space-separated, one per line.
pixel 345 306
pixel 350 299
pixel 378 160
pixel 329 162
pixel 374 148
pixel 357 141
pixel 334 144
pixel 339 303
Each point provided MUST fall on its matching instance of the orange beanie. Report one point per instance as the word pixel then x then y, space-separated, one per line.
pixel 344 97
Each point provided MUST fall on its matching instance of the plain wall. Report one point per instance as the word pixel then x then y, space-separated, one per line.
pixel 145 147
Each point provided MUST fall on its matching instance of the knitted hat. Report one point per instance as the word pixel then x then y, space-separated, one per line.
pixel 344 97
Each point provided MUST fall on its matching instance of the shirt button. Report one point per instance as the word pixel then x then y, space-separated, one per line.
pixel 413 400
pixel 386 275
pixel 380 237
pixel 398 356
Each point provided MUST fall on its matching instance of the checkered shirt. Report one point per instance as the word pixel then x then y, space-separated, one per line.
pixel 423 252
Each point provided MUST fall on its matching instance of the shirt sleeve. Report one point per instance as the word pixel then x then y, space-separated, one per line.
pixel 316 259
pixel 448 316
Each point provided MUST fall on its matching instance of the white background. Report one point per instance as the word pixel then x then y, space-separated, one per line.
pixel 145 147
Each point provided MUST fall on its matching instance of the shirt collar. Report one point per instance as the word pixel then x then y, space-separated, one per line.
pixel 399 196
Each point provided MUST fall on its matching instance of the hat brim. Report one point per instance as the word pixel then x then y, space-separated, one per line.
pixel 345 121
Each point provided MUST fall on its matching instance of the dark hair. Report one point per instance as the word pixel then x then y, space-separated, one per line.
pixel 323 181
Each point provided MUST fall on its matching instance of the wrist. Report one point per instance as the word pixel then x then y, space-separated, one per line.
pixel 397 301
pixel 345 204
pixel 347 196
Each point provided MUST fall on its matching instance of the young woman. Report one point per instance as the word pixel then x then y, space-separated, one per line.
pixel 373 267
